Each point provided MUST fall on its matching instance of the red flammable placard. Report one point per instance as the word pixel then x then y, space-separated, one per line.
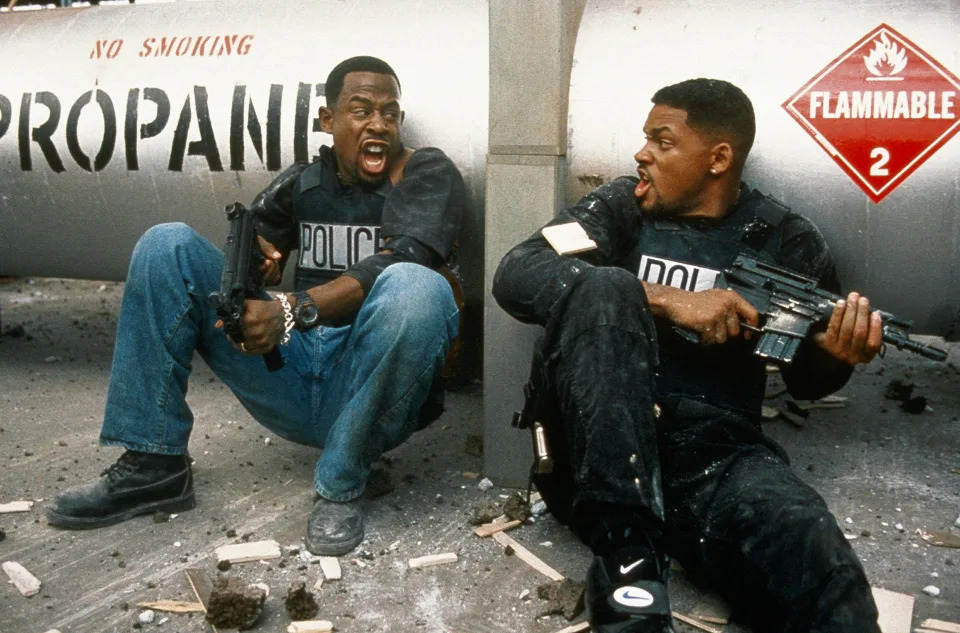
pixel 880 109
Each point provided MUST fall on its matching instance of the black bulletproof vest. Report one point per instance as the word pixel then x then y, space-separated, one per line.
pixel 690 254
pixel 338 225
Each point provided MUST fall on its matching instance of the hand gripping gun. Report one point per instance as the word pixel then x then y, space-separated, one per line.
pixel 241 278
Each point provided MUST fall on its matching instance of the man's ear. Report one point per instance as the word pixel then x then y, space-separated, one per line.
pixel 721 158
pixel 403 115
pixel 326 119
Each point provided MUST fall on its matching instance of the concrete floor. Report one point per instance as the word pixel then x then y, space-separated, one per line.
pixel 876 465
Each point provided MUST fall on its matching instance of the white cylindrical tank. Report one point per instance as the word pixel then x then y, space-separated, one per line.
pixel 115 118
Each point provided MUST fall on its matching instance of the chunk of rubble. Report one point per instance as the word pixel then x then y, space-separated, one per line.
pixel 564 598
pixel 234 604
pixel 300 602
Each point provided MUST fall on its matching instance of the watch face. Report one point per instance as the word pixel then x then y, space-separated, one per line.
pixel 307 314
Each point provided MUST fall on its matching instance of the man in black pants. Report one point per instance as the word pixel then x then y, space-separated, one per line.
pixel 657 439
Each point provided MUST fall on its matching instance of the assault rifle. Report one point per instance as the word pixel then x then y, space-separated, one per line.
pixel 792 307
pixel 241 278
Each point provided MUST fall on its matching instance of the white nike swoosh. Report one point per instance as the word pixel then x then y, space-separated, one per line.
pixel 626 570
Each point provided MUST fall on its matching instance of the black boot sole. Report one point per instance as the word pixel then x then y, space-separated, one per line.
pixel 178 504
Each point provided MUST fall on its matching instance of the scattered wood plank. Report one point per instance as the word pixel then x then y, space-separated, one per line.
pixel 489 529
pixel 26 582
pixel 940 539
pixel 173 606
pixel 896 610
pixel 694 623
pixel 201 584
pixel 712 609
pixel 246 552
pixel 433 559
pixel 941 625
pixel 310 626
pixel 330 567
pixel 15 506
pixel 576 628
pixel 527 556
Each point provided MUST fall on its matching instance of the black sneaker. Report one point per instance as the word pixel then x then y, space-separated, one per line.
pixel 627 592
pixel 334 529
pixel 138 483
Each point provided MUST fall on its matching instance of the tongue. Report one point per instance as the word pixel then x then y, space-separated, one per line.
pixel 641 188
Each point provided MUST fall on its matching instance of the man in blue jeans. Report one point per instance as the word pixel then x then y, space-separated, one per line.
pixel 363 339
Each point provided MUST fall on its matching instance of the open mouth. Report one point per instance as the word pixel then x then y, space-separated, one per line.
pixel 373 156
pixel 643 186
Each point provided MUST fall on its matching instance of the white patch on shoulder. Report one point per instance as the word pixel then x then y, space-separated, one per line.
pixel 666 272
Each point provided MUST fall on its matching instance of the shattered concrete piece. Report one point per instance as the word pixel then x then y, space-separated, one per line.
pixel 769 413
pixel 485 513
pixel 538 509
pixel 234 604
pixel 516 508
pixel 300 603
pixel 15 506
pixel 245 552
pixel 311 626
pixel 146 617
pixel 485 484
pixel 564 598
pixel 330 567
pixel 931 590
pixel 957 523
pixel 433 559
pixel 24 581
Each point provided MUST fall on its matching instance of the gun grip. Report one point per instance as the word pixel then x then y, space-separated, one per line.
pixel 273 360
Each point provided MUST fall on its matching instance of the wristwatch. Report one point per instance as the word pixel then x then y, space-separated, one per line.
pixel 305 314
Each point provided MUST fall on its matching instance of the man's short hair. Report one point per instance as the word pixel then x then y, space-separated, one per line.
pixel 713 106
pixel 360 64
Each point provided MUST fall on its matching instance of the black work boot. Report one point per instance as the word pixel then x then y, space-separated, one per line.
pixel 333 528
pixel 138 483
pixel 627 592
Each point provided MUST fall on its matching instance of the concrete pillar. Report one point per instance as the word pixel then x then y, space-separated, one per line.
pixel 531 52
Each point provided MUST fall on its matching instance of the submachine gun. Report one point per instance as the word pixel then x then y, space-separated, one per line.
pixel 241 278
pixel 792 308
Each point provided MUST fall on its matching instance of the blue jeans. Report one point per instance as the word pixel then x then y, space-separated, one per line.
pixel 355 391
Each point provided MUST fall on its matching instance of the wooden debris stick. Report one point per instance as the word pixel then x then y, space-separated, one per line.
pixel 310 626
pixel 26 582
pixel 330 567
pixel 173 606
pixel 692 622
pixel 433 559
pixel 488 529
pixel 576 628
pixel 527 556
pixel 712 609
pixel 896 610
pixel 15 506
pixel 941 625
pixel 246 552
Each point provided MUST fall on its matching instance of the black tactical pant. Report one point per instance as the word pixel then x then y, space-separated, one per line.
pixel 719 495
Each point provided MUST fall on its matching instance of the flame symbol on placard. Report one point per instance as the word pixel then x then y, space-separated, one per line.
pixel 886 58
